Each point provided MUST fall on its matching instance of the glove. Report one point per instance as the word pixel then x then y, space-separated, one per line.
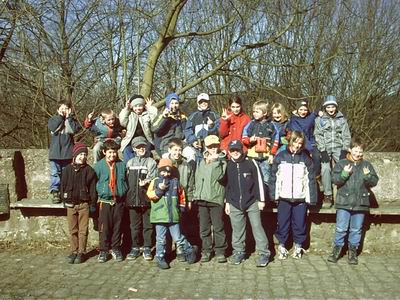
pixel 325 157
pixel 343 154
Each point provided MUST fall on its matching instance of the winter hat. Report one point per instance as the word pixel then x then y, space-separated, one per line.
pixel 203 96
pixel 79 148
pixel 211 140
pixel 165 164
pixel 330 100
pixel 136 100
pixel 139 140
pixel 235 145
pixel 169 98
pixel 301 103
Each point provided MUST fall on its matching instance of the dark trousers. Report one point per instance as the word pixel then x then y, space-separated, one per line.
pixel 110 217
pixel 291 215
pixel 212 214
pixel 140 225
pixel 316 158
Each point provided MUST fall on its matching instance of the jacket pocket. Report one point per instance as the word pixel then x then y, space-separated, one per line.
pixel 365 199
pixel 84 196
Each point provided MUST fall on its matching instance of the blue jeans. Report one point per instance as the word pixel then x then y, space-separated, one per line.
pixel 182 243
pixel 344 218
pixel 265 170
pixel 56 167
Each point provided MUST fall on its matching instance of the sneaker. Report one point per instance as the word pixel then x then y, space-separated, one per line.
pixel 191 255
pixel 298 252
pixel 80 258
pixel 328 201
pixel 205 256
pixel 283 253
pixel 221 259
pixel 162 263
pixel 180 256
pixel 103 256
pixel 135 253
pixel 71 258
pixel 238 258
pixel 55 197
pixel 117 255
pixel 262 260
pixel 147 254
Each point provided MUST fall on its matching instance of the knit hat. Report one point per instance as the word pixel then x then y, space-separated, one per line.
pixel 330 100
pixel 211 140
pixel 139 140
pixel 79 148
pixel 136 100
pixel 165 164
pixel 235 145
pixel 203 96
pixel 169 98
pixel 301 103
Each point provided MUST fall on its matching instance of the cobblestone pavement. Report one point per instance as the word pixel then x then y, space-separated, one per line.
pixel 49 276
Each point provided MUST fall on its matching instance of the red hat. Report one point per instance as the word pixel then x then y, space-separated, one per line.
pixel 79 148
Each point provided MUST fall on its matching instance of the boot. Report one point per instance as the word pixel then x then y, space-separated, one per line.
pixel 191 255
pixel 352 259
pixel 333 258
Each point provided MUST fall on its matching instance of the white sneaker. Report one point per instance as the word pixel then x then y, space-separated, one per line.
pixel 298 252
pixel 283 253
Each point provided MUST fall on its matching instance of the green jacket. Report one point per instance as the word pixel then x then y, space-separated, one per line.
pixel 185 172
pixel 209 185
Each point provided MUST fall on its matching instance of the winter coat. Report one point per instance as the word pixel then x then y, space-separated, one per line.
pixel 130 120
pixel 165 129
pixel 197 128
pixel 102 131
pixel 62 132
pixel 292 178
pixel 78 184
pixel 281 130
pixel 165 204
pixel 184 171
pixel 353 190
pixel 262 129
pixel 332 133
pixel 210 185
pixel 145 169
pixel 305 125
pixel 103 174
pixel 244 183
pixel 232 129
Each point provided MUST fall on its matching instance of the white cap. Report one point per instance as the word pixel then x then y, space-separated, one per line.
pixel 203 96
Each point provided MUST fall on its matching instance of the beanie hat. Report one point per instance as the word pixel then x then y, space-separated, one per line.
pixel 169 98
pixel 136 100
pixel 139 140
pixel 203 96
pixel 330 100
pixel 211 140
pixel 301 103
pixel 165 164
pixel 79 148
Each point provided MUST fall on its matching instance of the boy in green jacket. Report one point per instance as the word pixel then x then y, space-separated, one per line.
pixel 209 195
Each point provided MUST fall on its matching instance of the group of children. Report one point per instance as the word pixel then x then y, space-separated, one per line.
pixel 230 164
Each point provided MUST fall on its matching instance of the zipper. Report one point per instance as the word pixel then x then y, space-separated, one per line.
pixel 292 174
pixel 240 186
pixel 333 133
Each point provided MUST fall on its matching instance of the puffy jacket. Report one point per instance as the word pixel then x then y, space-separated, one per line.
pixel 103 174
pixel 184 171
pixel 263 129
pixel 332 133
pixel 232 128
pixel 305 125
pixel 244 183
pixel 197 128
pixel 210 184
pixel 165 204
pixel 143 168
pixel 129 120
pixel 62 132
pixel 353 191
pixel 292 178
pixel 165 129
pixel 102 131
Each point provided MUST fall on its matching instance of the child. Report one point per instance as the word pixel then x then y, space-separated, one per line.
pixel 62 128
pixel 78 191
pixel 232 122
pixel 293 185
pixel 210 194
pixel 106 126
pixel 141 170
pixel 201 123
pixel 167 196
pixel 168 125
pixel 245 199
pixel 280 121
pixel 111 188
pixel 137 122
pixel 257 136
pixel 354 177
pixel 333 138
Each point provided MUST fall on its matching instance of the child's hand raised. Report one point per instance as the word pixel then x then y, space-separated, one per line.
pixel 225 115
pixel 210 123
pixel 149 102
pixel 68 112
pixel 366 171
pixel 348 168
pixel 90 115
pixel 163 186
